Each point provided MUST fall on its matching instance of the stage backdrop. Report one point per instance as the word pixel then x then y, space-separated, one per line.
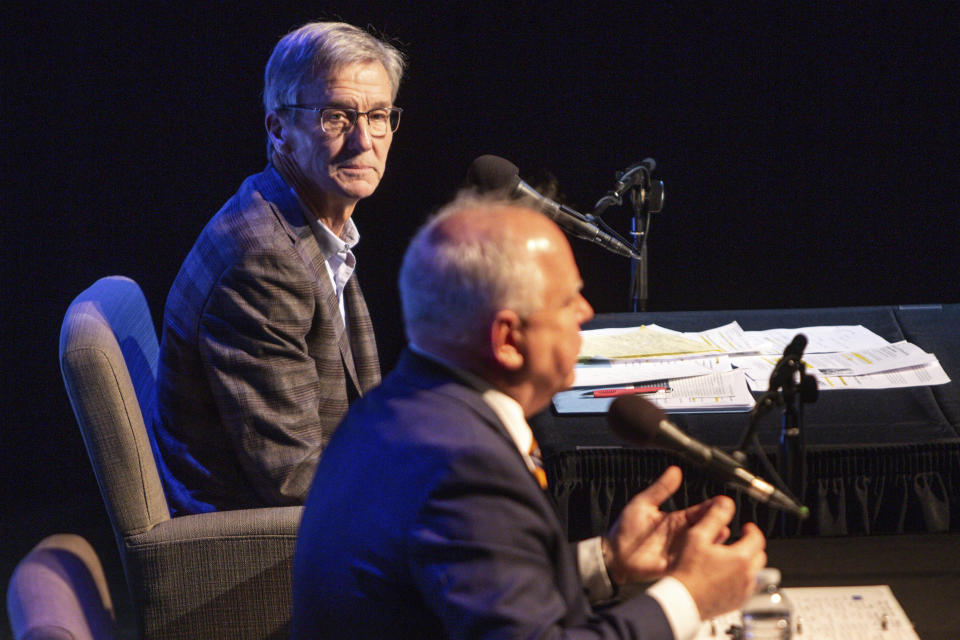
pixel 809 154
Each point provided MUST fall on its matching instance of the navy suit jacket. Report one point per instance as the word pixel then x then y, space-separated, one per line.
pixel 424 522
pixel 256 368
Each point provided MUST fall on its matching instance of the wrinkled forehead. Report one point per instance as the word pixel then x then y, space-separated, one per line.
pixel 368 74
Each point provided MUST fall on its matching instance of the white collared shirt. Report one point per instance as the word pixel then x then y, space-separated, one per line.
pixel 338 255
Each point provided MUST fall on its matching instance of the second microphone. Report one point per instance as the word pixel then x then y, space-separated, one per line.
pixel 640 422
pixel 493 173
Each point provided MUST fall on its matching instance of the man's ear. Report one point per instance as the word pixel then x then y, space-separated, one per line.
pixel 507 340
pixel 276 131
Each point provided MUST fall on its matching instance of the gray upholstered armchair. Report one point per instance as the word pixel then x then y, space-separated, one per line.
pixel 216 575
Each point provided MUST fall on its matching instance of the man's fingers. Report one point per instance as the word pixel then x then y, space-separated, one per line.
pixel 752 544
pixel 695 512
pixel 751 538
pixel 717 516
pixel 664 486
pixel 722 536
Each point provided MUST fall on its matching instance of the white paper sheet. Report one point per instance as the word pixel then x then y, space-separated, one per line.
pixel 616 372
pixel 833 613
pixel 823 339
pixel 716 392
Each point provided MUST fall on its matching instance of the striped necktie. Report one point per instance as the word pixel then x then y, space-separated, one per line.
pixel 537 459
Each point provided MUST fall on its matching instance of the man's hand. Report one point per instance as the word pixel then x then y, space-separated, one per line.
pixel 642 543
pixel 719 577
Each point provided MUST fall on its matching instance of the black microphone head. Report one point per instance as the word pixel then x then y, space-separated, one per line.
pixel 785 372
pixel 796 346
pixel 493 173
pixel 635 419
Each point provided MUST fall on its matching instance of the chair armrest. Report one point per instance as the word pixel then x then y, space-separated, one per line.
pixel 242 523
pixel 226 574
pixel 59 590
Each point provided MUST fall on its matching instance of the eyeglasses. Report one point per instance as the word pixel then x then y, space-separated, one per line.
pixel 335 121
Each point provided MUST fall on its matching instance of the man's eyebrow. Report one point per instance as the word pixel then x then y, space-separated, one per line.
pixel 346 103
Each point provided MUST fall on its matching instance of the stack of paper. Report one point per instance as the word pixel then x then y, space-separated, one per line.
pixel 716 370
pixel 848 357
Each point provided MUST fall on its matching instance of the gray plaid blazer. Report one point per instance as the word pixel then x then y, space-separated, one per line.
pixel 256 368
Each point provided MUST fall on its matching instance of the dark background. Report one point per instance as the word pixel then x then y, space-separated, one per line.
pixel 809 153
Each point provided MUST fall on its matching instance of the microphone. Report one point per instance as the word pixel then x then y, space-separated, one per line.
pixel 785 369
pixel 631 176
pixel 640 422
pixel 636 174
pixel 493 173
pixel 788 372
pixel 796 347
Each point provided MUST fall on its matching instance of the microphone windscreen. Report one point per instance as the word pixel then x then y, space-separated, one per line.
pixel 492 173
pixel 635 419
pixel 796 346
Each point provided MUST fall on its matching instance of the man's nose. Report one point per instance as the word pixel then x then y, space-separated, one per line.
pixel 586 311
pixel 359 136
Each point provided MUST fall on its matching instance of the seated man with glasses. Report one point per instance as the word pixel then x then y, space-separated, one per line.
pixel 266 336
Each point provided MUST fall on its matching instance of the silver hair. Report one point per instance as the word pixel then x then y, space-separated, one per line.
pixel 318 49
pixel 451 287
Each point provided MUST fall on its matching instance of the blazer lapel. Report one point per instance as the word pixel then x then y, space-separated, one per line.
pixel 292 216
pixel 363 344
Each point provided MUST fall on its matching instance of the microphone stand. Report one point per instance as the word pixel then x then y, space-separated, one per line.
pixel 789 383
pixel 639 229
pixel 798 388
pixel 647 198
pixel 646 195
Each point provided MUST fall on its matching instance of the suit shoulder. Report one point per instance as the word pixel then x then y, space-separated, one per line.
pixel 249 221
pixel 248 233
pixel 444 422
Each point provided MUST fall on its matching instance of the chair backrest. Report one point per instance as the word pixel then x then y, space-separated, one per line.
pixel 59 591
pixel 108 358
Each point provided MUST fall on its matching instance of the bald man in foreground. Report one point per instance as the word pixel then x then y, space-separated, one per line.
pixel 427 516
